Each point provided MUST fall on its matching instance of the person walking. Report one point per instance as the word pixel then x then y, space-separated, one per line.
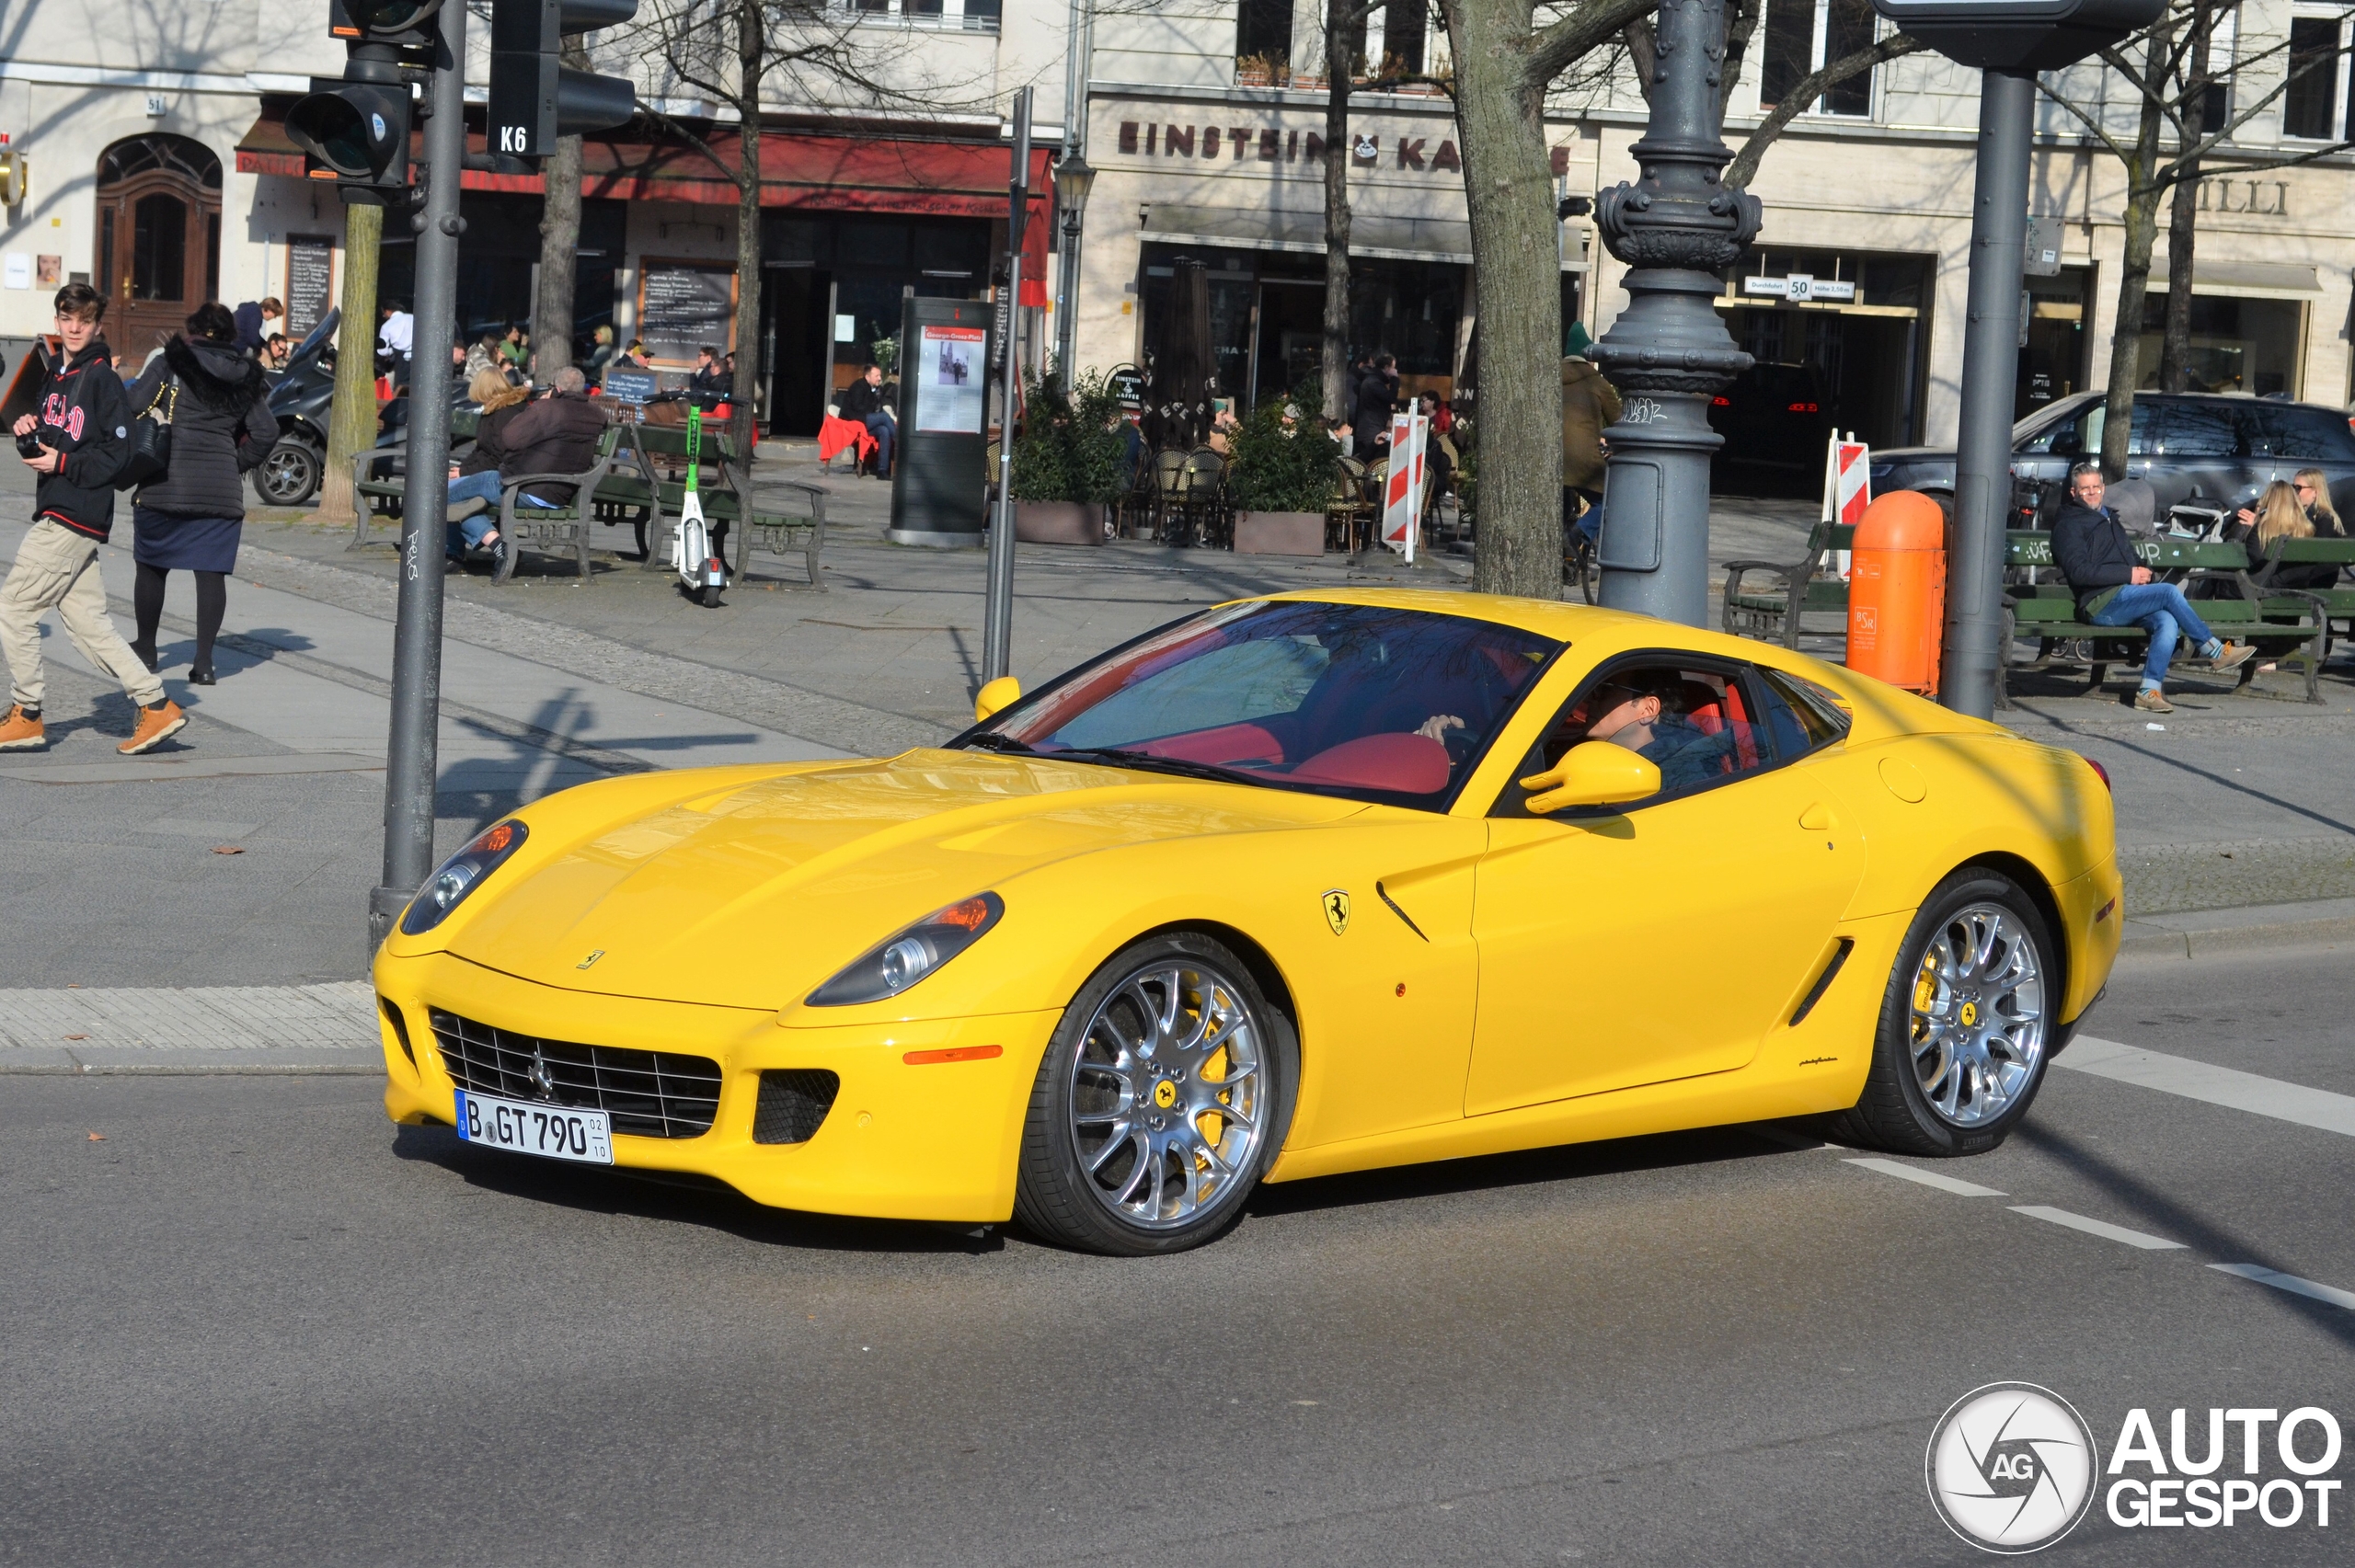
pixel 253 320
pixel 191 519
pixel 78 442
pixel 1590 406
pixel 2114 588
pixel 397 337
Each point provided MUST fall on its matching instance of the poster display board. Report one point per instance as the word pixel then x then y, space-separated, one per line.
pixel 683 305
pixel 310 284
pixel 953 367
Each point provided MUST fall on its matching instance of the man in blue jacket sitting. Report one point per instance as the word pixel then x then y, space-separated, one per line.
pixel 2115 589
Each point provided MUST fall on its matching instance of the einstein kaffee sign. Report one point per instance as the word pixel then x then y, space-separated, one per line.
pixel 1371 147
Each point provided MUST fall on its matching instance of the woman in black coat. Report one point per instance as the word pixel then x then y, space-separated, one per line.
pixel 190 519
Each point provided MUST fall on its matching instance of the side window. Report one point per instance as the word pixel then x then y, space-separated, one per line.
pixel 2196 430
pixel 1798 714
pixel 2284 430
pixel 2096 418
pixel 1694 724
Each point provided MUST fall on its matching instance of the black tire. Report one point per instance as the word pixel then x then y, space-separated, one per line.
pixel 1058 1198
pixel 708 596
pixel 289 474
pixel 1900 1112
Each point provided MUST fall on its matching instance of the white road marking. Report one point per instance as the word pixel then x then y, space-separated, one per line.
pixel 1927 1178
pixel 2101 1228
pixel 2289 1282
pixel 2215 1085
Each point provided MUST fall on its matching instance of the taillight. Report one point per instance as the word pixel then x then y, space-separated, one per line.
pixel 1722 401
pixel 2102 774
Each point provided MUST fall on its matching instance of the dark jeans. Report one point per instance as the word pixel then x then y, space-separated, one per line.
pixel 883 427
pixel 2160 609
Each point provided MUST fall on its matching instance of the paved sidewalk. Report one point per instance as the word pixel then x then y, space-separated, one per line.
pixel 201 1029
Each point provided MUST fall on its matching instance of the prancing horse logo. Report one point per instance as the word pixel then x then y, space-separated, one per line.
pixel 1337 910
pixel 590 959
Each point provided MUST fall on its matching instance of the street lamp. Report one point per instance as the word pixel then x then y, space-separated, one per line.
pixel 1668 353
pixel 1073 177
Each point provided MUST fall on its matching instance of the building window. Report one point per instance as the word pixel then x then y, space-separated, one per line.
pixel 1802 36
pixel 1405 24
pixel 2310 105
pixel 1263 37
pixel 951 16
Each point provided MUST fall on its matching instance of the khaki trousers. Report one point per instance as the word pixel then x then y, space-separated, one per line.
pixel 58 569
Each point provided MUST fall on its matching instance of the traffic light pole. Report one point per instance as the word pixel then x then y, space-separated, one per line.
pixel 412 763
pixel 1990 356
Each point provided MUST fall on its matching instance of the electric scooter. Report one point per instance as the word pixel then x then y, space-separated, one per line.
pixel 701 572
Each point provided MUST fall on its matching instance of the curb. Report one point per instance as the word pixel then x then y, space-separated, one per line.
pixel 2196 933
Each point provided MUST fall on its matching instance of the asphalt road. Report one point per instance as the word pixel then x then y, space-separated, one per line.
pixel 256 1324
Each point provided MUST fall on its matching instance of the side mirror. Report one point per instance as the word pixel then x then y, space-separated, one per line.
pixel 1000 694
pixel 1594 773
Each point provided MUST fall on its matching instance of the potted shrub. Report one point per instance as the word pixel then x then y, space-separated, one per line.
pixel 1068 460
pixel 1281 479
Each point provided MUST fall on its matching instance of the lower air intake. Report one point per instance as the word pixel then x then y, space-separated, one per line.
pixel 794 1102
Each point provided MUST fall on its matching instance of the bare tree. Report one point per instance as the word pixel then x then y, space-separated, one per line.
pixel 553 306
pixel 2171 138
pixel 352 418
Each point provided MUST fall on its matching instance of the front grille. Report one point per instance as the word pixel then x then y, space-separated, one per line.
pixel 794 1101
pixel 649 1094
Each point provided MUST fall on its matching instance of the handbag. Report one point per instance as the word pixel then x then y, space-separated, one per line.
pixel 151 440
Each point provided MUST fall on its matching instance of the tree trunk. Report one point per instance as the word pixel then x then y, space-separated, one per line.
pixel 1509 190
pixel 1334 365
pixel 552 300
pixel 2175 346
pixel 2125 334
pixel 750 46
pixel 2183 215
pixel 351 422
pixel 2142 221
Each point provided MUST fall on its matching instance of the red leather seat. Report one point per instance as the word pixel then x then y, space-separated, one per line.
pixel 1408 764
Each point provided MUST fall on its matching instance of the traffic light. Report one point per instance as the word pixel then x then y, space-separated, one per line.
pixel 354 129
pixel 534 97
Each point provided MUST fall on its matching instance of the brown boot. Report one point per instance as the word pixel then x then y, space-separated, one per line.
pixel 22 734
pixel 156 725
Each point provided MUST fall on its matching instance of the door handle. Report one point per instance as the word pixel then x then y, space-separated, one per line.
pixel 1816 819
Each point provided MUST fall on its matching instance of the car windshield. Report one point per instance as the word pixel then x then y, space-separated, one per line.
pixel 1363 701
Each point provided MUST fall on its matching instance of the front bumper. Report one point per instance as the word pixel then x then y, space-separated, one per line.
pixel 929 1140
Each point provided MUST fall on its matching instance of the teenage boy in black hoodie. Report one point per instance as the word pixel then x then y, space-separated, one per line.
pixel 82 431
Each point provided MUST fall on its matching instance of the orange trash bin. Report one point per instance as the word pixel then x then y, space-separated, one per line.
pixel 1897 592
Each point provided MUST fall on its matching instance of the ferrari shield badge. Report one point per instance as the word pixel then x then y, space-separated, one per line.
pixel 1337 910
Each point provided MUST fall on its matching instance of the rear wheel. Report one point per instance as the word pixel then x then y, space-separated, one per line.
pixel 1966 1025
pixel 710 595
pixel 1162 1098
pixel 289 474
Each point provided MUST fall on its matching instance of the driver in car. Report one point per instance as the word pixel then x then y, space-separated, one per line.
pixel 1643 711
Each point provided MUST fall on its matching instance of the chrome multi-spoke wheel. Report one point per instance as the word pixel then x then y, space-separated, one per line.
pixel 1977 1018
pixel 1159 1104
pixel 1166 1095
pixel 1966 1024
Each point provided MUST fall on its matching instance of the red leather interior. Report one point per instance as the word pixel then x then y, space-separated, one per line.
pixel 1227 743
pixel 1409 764
pixel 1711 715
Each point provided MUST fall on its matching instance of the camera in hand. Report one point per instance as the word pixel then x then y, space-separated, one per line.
pixel 28 446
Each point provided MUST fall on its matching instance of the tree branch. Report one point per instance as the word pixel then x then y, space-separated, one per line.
pixel 1581 32
pixel 1796 102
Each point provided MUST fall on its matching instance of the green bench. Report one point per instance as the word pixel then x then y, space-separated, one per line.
pixel 564 529
pixel 2288 629
pixel 1799 587
pixel 2334 603
pixel 661 450
pixel 377 492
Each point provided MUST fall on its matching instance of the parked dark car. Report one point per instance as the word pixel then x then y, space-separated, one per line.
pixel 2188 446
pixel 1777 421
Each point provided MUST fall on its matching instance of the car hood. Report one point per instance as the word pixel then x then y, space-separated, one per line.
pixel 753 893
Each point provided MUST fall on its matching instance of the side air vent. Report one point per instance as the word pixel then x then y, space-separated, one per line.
pixel 793 1103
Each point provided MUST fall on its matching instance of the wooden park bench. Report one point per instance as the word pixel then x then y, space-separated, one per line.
pixel 2335 603
pixel 377 492
pixel 1809 585
pixel 561 529
pixel 663 449
pixel 2288 629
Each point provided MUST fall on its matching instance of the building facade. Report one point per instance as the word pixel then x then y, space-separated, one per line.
pixel 1206 122
pixel 159 170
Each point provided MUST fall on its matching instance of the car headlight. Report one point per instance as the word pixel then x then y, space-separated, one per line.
pixel 891 967
pixel 461 875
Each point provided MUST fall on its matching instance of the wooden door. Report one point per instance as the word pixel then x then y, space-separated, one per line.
pixel 159 239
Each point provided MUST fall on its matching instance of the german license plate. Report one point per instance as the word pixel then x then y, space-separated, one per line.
pixel 557 1132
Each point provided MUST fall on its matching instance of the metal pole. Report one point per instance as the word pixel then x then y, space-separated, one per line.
pixel 1670 352
pixel 1990 358
pixel 1075 145
pixel 412 764
pixel 997 623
